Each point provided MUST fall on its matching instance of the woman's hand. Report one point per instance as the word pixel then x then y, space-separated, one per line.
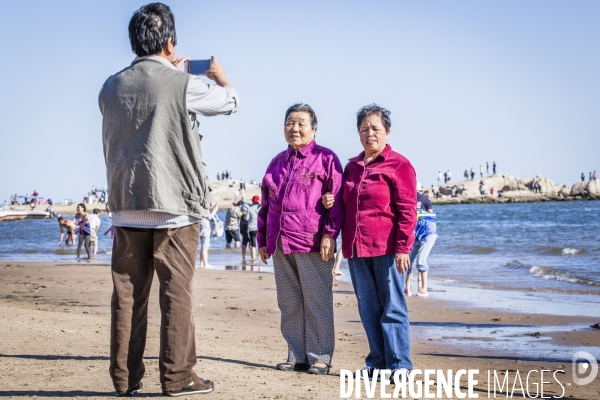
pixel 327 199
pixel 402 263
pixel 262 252
pixel 327 247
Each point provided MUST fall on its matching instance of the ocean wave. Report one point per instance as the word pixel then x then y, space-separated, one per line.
pixel 564 251
pixel 571 252
pixel 514 264
pixel 465 249
pixel 560 275
pixel 63 251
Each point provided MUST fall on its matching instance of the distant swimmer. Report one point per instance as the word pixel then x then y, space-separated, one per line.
pixel 69 227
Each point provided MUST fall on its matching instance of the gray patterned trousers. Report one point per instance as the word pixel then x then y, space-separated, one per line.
pixel 305 299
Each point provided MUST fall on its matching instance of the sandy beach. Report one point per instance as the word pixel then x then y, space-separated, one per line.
pixel 55 318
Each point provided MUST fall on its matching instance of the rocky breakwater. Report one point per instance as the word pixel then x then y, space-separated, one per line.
pixel 507 188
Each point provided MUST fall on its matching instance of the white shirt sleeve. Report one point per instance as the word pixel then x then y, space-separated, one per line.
pixel 210 100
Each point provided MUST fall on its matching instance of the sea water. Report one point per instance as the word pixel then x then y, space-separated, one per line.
pixel 544 247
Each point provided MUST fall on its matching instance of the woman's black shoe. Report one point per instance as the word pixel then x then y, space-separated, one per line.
pixel 319 370
pixel 290 366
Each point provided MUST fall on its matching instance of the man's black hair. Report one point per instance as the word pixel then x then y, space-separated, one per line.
pixel 150 28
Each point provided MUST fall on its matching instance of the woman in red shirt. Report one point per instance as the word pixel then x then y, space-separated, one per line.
pixel 378 233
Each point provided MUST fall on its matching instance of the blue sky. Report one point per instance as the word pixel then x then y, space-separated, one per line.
pixel 466 82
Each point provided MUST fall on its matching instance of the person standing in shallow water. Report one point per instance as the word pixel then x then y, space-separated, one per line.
pixel 425 237
pixel 296 229
pixel 84 230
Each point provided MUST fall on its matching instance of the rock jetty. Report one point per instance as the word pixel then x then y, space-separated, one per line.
pixel 509 189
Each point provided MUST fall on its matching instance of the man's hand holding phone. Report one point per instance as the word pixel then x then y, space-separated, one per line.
pixel 213 71
pixel 217 73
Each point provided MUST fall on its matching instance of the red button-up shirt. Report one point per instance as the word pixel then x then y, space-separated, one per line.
pixel 381 205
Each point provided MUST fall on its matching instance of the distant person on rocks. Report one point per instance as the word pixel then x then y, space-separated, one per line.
pixel 487 167
pixel 445 177
pixel 449 176
pixel 466 174
pixel 68 226
pixel 94 226
pixel 439 179
pixel 472 174
pixel 492 190
pixel 481 171
pixel 494 167
pixel 232 225
pixel 425 237
pixel 218 176
pixel 590 175
pixel 433 192
pixel 481 188
pixel 595 175
pixel 583 176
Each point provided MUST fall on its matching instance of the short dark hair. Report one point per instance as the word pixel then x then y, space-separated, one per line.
pixel 371 109
pixel 96 211
pixel 150 28
pixel 82 205
pixel 60 219
pixel 302 107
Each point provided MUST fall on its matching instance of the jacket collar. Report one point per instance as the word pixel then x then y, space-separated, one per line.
pixel 383 155
pixel 302 152
pixel 161 60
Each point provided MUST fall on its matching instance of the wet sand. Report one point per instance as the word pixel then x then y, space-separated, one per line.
pixel 55 318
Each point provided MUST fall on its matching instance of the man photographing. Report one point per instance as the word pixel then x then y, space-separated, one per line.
pixel 159 196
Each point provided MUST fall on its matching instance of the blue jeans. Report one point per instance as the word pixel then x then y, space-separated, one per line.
pixel 420 252
pixel 382 307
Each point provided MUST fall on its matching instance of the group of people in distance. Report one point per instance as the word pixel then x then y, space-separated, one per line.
pixel 83 226
pixel 241 227
pixel 160 200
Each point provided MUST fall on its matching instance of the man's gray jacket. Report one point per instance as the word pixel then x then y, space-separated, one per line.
pixel 152 153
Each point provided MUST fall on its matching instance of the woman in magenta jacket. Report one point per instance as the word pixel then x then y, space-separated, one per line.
pixel 380 218
pixel 296 228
